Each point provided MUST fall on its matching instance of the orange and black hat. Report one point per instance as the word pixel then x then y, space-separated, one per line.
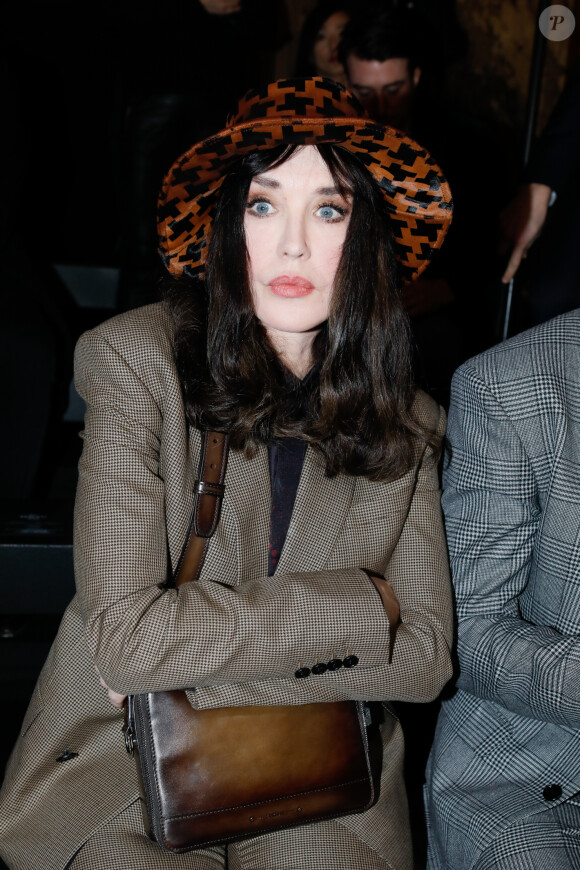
pixel 305 111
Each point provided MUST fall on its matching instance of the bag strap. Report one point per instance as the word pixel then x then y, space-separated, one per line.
pixel 208 494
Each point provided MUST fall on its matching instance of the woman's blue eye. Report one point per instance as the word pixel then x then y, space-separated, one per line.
pixel 330 212
pixel 260 207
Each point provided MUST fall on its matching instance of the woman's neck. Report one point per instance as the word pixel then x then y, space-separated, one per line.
pixel 294 350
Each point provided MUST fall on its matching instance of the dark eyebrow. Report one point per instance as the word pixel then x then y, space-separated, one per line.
pixel 269 182
pixel 265 182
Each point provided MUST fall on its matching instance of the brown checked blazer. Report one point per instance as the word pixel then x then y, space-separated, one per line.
pixel 236 635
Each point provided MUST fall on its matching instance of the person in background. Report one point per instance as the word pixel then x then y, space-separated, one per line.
pixel 543 213
pixel 380 51
pixel 390 68
pixel 320 36
pixel 503 779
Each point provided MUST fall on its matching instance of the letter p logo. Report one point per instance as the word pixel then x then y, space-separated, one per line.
pixel 557 23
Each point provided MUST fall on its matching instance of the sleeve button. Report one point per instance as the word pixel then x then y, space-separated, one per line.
pixel 319 668
pixel 334 664
pixel 552 792
pixel 302 673
pixel 350 661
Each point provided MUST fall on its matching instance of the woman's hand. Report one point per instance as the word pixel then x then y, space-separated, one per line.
pixel 389 599
pixel 114 697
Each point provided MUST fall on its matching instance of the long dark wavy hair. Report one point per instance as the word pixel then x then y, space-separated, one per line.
pixel 355 406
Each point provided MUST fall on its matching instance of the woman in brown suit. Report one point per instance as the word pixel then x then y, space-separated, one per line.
pixel 299 217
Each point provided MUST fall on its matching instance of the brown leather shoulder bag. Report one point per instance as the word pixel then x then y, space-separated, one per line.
pixel 213 776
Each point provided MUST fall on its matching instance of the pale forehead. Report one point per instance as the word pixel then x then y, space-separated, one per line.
pixel 377 73
pixel 304 170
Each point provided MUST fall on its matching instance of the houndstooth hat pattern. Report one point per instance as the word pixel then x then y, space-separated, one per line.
pixel 305 111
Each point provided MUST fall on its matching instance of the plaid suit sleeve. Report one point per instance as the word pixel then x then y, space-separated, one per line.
pixel 493 513
pixel 145 637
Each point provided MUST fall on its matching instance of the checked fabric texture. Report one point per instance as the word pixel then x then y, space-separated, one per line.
pixel 304 112
pixel 506 753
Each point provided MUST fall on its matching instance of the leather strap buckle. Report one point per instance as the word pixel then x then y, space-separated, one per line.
pixel 205 487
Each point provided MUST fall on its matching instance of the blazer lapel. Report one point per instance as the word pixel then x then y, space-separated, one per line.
pixel 239 549
pixel 320 510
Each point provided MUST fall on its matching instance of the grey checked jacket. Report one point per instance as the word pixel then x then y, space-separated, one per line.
pixel 237 635
pixel 507 744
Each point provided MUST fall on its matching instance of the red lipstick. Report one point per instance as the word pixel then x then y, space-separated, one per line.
pixel 291 286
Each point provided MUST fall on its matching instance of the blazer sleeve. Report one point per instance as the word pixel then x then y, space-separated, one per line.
pixel 419 664
pixel 492 513
pixel 145 637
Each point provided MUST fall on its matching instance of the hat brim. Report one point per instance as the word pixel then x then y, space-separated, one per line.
pixel 416 194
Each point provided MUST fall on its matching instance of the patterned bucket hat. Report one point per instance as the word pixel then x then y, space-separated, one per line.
pixel 305 111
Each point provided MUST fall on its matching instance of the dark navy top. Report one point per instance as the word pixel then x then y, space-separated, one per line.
pixel 286 457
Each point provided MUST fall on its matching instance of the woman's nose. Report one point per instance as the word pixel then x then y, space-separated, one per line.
pixel 293 241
